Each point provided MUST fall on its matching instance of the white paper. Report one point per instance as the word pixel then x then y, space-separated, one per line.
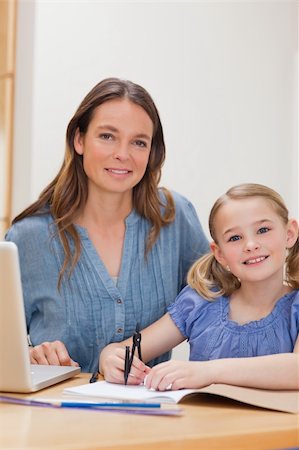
pixel 287 401
pixel 103 389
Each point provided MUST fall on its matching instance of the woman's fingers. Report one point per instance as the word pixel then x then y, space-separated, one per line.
pixel 51 353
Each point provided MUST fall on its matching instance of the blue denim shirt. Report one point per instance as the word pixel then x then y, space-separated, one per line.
pixel 90 310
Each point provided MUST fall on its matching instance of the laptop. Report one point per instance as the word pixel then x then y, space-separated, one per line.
pixel 16 372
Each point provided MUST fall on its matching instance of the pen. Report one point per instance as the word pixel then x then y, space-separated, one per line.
pixel 109 405
pixel 94 377
pixel 127 364
pixel 74 404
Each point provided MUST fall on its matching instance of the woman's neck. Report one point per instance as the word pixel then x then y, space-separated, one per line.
pixel 105 210
pixel 104 219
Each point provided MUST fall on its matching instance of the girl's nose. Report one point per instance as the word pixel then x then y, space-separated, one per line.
pixel 250 245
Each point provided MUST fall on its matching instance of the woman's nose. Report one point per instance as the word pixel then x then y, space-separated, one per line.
pixel 121 152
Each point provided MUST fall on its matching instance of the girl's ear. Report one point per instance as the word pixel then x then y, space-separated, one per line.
pixel 292 233
pixel 78 142
pixel 215 249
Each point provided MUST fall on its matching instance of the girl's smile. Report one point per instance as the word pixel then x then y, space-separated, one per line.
pixel 252 239
pixel 256 260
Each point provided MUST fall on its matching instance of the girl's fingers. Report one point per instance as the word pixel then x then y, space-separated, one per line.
pixel 163 377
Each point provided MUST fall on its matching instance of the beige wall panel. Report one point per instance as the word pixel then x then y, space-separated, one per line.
pixel 6 86
pixel 3 228
pixel 7 74
pixel 7 36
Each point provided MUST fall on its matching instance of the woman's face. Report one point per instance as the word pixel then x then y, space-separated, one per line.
pixel 116 146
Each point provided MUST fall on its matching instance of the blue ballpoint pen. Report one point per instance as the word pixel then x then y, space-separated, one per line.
pixel 74 404
pixel 109 405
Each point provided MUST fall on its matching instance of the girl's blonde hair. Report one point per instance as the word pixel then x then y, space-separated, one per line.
pixel 208 277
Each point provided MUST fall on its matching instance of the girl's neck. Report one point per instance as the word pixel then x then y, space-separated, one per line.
pixel 262 294
pixel 254 301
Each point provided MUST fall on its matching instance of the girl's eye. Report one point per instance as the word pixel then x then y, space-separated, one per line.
pixel 106 136
pixel 234 238
pixel 263 230
pixel 140 143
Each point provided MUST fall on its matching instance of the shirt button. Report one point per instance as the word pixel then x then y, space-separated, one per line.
pixel 119 301
pixel 119 330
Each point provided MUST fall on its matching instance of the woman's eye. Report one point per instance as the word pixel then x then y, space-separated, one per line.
pixel 234 238
pixel 140 143
pixel 263 230
pixel 106 136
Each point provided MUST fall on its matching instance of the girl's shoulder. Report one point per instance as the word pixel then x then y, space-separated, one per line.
pixel 190 308
pixel 294 297
pixel 191 302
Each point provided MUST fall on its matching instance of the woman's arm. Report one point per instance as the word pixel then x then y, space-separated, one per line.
pixel 280 371
pixel 158 338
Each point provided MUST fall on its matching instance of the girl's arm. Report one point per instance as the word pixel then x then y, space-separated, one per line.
pixel 280 371
pixel 158 338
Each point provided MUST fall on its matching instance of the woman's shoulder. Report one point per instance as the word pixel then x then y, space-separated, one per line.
pixel 181 202
pixel 185 211
pixel 31 227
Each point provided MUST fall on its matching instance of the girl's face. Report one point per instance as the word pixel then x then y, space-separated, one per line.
pixel 116 146
pixel 252 239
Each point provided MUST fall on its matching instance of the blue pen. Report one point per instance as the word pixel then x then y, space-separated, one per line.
pixel 68 404
pixel 109 405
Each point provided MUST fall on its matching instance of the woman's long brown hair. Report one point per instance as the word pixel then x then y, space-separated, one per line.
pixel 65 197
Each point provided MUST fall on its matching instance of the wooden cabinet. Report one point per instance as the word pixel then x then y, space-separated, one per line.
pixel 7 79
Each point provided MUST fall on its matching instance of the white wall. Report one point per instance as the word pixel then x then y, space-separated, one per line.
pixel 223 75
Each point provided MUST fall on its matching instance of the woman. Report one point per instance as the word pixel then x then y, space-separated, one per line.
pixel 103 249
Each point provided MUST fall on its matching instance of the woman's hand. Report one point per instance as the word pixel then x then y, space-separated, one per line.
pixel 112 365
pixel 51 353
pixel 179 375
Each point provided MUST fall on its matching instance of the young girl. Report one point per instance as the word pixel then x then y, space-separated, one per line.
pixel 240 310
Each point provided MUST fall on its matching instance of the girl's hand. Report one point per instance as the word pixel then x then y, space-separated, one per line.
pixel 179 375
pixel 112 365
pixel 51 353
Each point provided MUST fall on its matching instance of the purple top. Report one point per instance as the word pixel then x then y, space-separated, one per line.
pixel 212 335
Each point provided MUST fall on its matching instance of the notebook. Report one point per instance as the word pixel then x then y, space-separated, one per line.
pixel 287 401
pixel 16 372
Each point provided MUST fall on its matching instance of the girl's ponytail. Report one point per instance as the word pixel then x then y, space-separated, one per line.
pixel 207 277
pixel 292 266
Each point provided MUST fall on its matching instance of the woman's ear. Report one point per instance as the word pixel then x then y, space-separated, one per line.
pixel 292 233
pixel 78 142
pixel 215 249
